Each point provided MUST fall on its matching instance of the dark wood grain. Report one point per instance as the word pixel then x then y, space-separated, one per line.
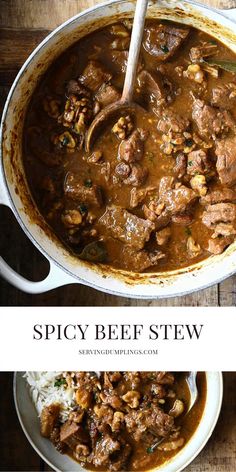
pixel 16 453
pixel 12 58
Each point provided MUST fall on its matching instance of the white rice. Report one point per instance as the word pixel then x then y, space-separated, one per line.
pixel 43 392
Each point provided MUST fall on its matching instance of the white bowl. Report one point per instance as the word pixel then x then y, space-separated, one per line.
pixel 61 463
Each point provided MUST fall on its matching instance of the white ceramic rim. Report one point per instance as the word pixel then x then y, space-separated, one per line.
pixel 226 267
pixel 181 460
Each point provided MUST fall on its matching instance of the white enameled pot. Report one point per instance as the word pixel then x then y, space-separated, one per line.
pixel 14 192
pixel 29 421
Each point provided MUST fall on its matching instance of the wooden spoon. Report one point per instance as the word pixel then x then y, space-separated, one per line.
pixel 125 104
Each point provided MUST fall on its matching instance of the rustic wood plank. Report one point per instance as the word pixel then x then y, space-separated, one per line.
pixel 40 13
pixel 36 13
pixel 219 455
pixel 16 451
pixel 12 56
pixel 227 292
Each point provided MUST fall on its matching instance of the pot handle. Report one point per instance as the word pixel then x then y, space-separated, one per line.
pixel 231 14
pixel 55 278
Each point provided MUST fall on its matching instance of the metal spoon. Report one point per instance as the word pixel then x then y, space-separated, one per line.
pixel 125 104
pixel 191 380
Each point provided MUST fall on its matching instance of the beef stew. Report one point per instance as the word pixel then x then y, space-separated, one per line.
pixel 129 421
pixel 157 192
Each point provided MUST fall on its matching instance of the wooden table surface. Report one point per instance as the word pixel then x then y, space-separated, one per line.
pixel 23 24
pixel 16 454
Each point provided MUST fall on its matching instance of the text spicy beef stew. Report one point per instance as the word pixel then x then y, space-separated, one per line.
pixel 157 190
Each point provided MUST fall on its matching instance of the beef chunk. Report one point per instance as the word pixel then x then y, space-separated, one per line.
pixel 217 245
pixel 197 53
pixel 218 196
pixel 178 200
pixel 49 418
pixel 210 121
pixel 94 75
pixel 162 41
pixel 121 462
pixel 138 261
pixel 154 420
pixel 219 213
pixel 180 165
pixel 75 88
pixel 131 149
pixel 171 122
pixel 197 162
pixel 224 96
pixel 166 183
pixel 152 87
pixel 82 191
pixel 221 217
pixel 226 160
pixel 107 94
pixel 128 228
pixel 119 61
pixel 138 175
pixel 104 448
pixel 72 433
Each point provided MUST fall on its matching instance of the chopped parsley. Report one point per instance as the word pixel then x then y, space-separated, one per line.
pixel 150 450
pixel 60 382
pixel 189 142
pixel 164 48
pixel 65 141
pixel 190 163
pixel 83 209
pixel 88 183
pixel 188 231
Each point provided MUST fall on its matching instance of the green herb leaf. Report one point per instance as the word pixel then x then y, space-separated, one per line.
pixel 94 252
pixel 188 231
pixel 164 48
pixel 189 142
pixel 65 141
pixel 83 209
pixel 190 163
pixel 150 450
pixel 88 183
pixel 60 382
pixel 229 66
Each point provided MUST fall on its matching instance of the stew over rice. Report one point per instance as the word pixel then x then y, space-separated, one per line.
pixel 123 420
pixel 157 191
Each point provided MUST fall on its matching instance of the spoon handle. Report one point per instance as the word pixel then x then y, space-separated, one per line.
pixel 134 49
